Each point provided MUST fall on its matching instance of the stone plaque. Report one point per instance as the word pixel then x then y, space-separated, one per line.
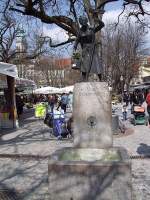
pixel 92 115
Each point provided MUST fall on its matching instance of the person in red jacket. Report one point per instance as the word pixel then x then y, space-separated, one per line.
pixel 148 105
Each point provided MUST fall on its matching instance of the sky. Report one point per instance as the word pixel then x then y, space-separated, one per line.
pixel 114 5
pixel 112 11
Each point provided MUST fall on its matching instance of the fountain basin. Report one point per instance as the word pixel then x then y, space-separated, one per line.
pixel 90 174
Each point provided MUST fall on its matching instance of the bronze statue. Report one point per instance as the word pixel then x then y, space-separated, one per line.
pixel 90 61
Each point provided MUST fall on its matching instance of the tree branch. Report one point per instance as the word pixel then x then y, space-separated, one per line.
pixel 17 10
pixel 63 43
pixel 73 11
pixel 62 21
pixel 124 7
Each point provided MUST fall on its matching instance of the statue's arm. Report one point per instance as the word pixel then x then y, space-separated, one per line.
pixel 99 27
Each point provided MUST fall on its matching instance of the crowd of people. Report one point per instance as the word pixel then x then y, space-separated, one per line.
pixel 64 101
pixel 137 97
pixel 56 118
pixel 57 101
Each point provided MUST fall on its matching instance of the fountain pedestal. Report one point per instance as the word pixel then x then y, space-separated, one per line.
pixel 92 169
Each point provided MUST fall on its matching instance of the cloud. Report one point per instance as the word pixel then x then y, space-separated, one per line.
pixel 57 34
pixel 112 15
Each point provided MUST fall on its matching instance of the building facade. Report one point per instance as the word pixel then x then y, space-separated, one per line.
pixel 143 71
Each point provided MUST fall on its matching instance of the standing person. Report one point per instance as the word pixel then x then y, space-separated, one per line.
pixel 70 100
pixel 131 98
pixel 124 112
pixel 126 98
pixel 19 105
pixel 64 102
pixel 148 106
pixel 51 102
pixel 140 97
pixel 135 98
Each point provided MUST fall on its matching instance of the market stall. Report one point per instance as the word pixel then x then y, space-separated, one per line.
pixel 8 116
pixel 25 86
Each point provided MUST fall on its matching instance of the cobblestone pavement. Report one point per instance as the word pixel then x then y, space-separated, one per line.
pixel 29 178
pixel 137 143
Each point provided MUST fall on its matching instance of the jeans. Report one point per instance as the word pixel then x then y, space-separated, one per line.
pixel 52 107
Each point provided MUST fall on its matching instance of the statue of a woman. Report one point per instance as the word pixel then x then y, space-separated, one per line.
pixel 90 60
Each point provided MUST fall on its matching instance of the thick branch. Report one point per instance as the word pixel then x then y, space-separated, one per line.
pixel 17 10
pixel 72 9
pixel 104 2
pixel 63 43
pixel 62 21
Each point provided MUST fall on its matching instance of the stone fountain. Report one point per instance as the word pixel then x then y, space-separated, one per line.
pixel 93 169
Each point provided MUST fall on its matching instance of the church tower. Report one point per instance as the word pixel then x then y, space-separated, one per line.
pixel 21 47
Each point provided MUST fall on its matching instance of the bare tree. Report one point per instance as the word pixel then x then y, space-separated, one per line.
pixel 8 32
pixel 71 77
pixel 49 72
pixel 121 50
pixel 53 12
pixel 44 68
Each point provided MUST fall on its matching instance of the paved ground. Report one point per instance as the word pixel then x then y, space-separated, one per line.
pixel 29 177
pixel 137 143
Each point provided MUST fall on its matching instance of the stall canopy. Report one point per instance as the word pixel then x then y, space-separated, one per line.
pixel 22 82
pixel 25 86
pixel 8 69
pixel 54 90
pixel 67 89
pixel 47 90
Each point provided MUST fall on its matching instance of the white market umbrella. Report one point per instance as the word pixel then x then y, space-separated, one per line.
pixel 67 89
pixel 46 90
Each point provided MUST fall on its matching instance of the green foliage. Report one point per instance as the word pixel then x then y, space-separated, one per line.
pixel 76 56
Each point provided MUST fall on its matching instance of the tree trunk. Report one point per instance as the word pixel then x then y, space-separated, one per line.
pixel 11 99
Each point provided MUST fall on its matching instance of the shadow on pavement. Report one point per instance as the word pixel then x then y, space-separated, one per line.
pixel 23 180
pixel 32 130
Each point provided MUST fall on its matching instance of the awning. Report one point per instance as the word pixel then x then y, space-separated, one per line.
pixel 54 90
pixel 8 69
pixel 47 90
pixel 22 82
